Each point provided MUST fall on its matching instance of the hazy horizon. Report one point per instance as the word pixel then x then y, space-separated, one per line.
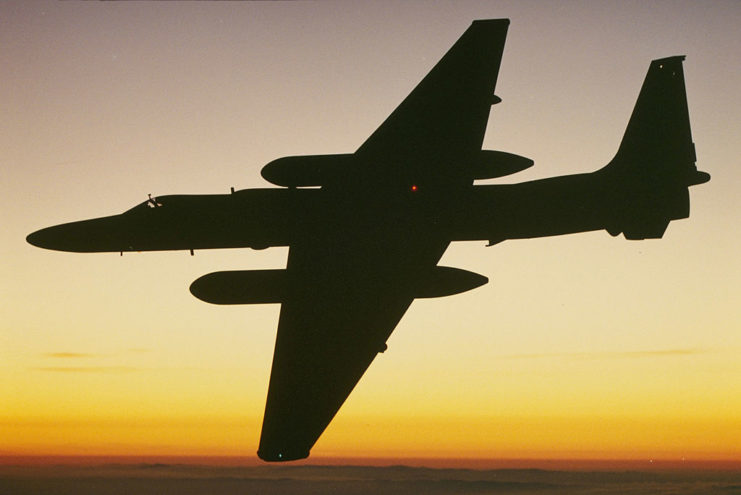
pixel 551 464
pixel 582 346
pixel 267 479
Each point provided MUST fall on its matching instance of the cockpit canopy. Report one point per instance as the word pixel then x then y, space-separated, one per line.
pixel 149 204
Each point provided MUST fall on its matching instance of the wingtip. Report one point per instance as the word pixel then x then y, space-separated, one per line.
pixel 274 456
pixel 667 60
pixel 503 21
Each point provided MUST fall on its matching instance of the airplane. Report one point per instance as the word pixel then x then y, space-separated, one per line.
pixel 366 230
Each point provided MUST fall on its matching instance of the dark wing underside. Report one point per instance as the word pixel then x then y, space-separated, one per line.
pixel 351 281
pixel 331 327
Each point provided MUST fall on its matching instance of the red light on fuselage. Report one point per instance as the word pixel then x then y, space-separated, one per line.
pixel 414 187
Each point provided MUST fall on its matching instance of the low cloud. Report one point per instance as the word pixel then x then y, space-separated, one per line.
pixel 86 369
pixel 611 355
pixel 80 357
pixel 66 355
pixel 89 355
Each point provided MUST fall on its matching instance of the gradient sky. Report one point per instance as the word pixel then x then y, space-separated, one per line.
pixel 582 346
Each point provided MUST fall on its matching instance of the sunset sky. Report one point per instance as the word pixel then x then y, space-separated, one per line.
pixel 583 346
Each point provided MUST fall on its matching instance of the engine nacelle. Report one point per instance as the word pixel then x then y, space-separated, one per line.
pixel 304 171
pixel 271 286
pixel 492 164
pixel 241 287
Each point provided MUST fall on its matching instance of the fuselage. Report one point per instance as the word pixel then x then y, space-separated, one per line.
pixel 260 218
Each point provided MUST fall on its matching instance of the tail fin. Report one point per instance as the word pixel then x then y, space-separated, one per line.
pixel 655 163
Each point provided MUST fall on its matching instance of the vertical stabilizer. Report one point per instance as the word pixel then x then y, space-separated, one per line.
pixel 655 162
pixel 659 128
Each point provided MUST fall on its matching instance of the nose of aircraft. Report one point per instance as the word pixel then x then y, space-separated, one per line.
pixel 95 235
pixel 59 237
pixel 67 237
pixel 38 238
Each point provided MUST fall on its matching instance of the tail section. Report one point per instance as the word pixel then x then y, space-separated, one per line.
pixel 655 163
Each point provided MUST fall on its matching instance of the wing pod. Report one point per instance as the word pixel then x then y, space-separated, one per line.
pixel 320 170
pixel 270 286
pixel 446 281
pixel 304 171
pixel 492 164
pixel 241 287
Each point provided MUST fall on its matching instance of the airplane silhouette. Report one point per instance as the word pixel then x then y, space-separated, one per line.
pixel 366 242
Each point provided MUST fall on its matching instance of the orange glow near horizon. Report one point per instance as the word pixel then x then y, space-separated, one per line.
pixel 541 438
pixel 581 347
pixel 428 462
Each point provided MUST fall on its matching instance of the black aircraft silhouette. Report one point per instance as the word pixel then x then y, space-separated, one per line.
pixel 366 242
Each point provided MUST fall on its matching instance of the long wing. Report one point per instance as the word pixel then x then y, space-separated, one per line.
pixel 436 131
pixel 353 279
pixel 332 325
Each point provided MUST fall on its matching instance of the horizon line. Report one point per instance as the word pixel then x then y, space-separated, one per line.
pixel 252 461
